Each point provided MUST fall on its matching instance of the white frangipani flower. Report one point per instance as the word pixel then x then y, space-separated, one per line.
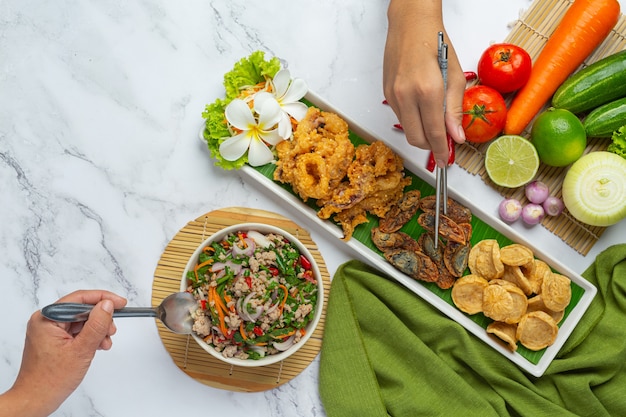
pixel 287 92
pixel 254 135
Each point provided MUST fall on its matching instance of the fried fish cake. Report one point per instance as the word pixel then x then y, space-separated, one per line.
pixel 467 293
pixel 536 330
pixel 507 332
pixel 516 254
pixel 515 275
pixel 504 301
pixel 556 291
pixel 536 276
pixel 536 304
pixel 484 259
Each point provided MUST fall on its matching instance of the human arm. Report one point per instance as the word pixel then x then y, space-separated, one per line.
pixel 57 356
pixel 412 80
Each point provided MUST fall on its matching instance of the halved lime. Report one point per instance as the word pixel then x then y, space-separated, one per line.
pixel 511 161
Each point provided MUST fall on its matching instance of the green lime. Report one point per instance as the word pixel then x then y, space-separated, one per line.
pixel 559 137
pixel 511 161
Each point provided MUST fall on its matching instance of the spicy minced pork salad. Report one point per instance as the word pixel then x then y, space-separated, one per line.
pixel 256 294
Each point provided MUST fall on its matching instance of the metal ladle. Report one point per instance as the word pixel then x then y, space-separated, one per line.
pixel 174 312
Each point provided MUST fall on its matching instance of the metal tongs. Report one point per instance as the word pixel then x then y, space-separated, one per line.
pixel 441 174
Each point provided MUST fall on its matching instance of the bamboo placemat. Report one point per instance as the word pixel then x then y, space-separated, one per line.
pixel 184 350
pixel 531 32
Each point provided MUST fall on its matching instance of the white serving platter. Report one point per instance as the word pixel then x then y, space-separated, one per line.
pixel 364 253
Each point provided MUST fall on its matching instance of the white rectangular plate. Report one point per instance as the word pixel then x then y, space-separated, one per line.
pixel 373 258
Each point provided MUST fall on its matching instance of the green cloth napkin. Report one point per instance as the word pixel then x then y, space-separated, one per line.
pixel 386 351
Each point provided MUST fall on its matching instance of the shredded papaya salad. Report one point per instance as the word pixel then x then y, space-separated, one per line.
pixel 256 294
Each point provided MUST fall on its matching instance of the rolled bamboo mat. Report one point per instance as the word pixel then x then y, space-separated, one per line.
pixel 531 31
pixel 186 353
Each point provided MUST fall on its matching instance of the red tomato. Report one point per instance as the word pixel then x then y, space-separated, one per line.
pixel 505 67
pixel 484 113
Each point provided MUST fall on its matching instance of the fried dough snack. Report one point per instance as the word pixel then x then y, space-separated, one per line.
pixel 556 291
pixel 484 259
pixel 318 157
pixel 467 293
pixel 536 276
pixel 536 330
pixel 515 275
pixel 536 304
pixel 516 255
pixel 504 301
pixel 528 293
pixel 505 331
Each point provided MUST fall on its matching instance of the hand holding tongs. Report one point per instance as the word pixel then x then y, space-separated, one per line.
pixel 441 176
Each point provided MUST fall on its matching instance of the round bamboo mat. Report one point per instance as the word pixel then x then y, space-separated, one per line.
pixel 531 32
pixel 183 349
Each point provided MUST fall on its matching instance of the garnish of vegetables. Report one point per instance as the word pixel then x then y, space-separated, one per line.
pixel 262 103
pixel 594 189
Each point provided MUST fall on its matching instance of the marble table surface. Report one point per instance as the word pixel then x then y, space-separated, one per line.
pixel 101 165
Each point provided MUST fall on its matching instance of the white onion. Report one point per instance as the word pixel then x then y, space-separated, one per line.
pixel 243 314
pixel 259 238
pixel 282 346
pixel 259 349
pixel 244 309
pixel 246 251
pixel 594 189
pixel 220 267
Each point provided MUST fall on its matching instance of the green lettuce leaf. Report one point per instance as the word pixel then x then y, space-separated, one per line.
pixel 618 146
pixel 247 72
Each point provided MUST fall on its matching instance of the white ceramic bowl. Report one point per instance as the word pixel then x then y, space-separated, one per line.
pixel 262 228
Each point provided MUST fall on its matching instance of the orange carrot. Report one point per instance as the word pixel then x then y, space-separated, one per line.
pixel 583 27
pixel 198 266
pixel 284 300
pixel 242 330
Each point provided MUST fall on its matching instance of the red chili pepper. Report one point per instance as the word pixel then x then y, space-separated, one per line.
pixel 398 126
pixel 257 331
pixel 308 275
pixel 274 271
pixel 451 149
pixel 203 304
pixel 470 75
pixel 430 165
pixel 249 281
pixel 306 264
pixel 385 101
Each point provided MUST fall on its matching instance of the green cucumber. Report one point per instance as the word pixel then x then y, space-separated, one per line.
pixel 604 120
pixel 595 85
